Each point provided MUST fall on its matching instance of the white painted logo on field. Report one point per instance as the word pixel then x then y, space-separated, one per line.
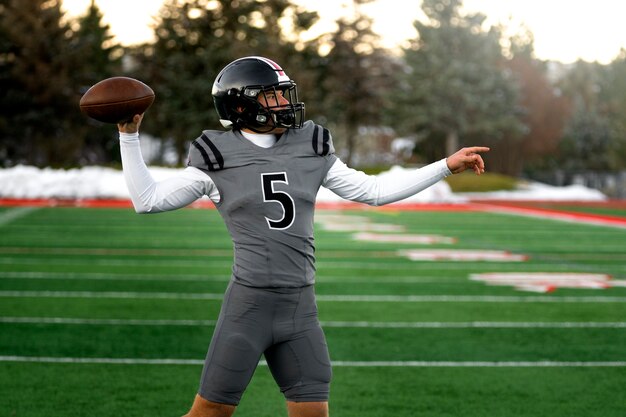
pixel 361 227
pixel 339 218
pixel 544 282
pixel 404 238
pixel 462 255
pixel 351 223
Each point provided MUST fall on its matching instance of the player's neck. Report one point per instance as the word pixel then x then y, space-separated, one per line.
pixel 264 140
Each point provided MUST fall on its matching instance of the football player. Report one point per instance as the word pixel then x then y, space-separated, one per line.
pixel 263 174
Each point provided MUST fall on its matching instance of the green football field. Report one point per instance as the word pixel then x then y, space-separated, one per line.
pixel 104 312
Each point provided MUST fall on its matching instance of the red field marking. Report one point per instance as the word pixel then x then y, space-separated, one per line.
pixel 204 203
pixel 527 209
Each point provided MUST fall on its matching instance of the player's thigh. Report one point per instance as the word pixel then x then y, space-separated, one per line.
pixel 236 347
pixel 301 366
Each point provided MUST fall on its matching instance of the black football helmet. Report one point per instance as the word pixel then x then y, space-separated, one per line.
pixel 236 90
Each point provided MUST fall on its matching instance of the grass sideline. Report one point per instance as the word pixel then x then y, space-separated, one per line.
pixel 116 251
pixel 489 181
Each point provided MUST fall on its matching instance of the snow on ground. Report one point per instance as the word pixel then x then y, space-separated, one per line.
pixel 539 191
pixel 105 183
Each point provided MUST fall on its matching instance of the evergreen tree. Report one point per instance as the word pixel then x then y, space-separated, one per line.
pixel 35 72
pixel 46 62
pixel 101 57
pixel 591 139
pixel 356 78
pixel 616 82
pixel 100 54
pixel 7 55
pixel 454 87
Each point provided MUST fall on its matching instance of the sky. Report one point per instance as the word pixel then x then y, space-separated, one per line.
pixel 564 30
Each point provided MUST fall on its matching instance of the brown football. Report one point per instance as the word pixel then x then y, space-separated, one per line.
pixel 116 99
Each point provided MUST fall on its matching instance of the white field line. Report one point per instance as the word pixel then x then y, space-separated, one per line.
pixel 329 298
pixel 15 213
pixel 381 264
pixel 469 299
pixel 475 324
pixel 89 276
pixel 94 276
pixel 361 364
pixel 111 294
pixel 478 364
pixel 334 324
pixel 388 279
pixel 391 265
pixel 120 361
pixel 95 261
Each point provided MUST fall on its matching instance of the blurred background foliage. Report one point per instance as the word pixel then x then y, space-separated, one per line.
pixel 458 83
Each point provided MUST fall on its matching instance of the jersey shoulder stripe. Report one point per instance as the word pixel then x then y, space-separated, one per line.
pixel 209 153
pixel 218 156
pixel 205 155
pixel 322 141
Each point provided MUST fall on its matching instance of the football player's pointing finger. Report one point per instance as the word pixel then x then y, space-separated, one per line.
pixel 467 158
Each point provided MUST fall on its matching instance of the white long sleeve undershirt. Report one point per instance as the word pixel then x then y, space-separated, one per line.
pixel 190 184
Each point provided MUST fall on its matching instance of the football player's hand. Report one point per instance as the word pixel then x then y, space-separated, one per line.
pixel 130 126
pixel 467 158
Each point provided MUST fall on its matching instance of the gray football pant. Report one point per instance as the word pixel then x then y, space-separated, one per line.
pixel 280 323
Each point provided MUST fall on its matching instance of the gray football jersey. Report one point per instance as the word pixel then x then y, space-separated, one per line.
pixel 268 200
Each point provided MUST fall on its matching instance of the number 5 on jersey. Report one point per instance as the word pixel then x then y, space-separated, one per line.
pixel 280 197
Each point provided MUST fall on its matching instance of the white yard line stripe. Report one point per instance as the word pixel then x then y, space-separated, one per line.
pixel 13 214
pixel 87 260
pixel 335 324
pixel 92 276
pixel 123 361
pixel 328 298
pixel 475 324
pixel 360 364
pixel 322 279
pixel 409 266
pixel 89 276
pixel 112 294
pixel 395 264
pixel 479 364
pixel 106 322
pixel 468 299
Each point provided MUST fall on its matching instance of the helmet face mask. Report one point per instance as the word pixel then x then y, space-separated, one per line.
pixel 262 115
pixel 240 94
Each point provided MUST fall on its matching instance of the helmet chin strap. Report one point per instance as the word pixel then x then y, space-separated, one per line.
pixel 284 118
pixel 261 129
pixel 272 119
